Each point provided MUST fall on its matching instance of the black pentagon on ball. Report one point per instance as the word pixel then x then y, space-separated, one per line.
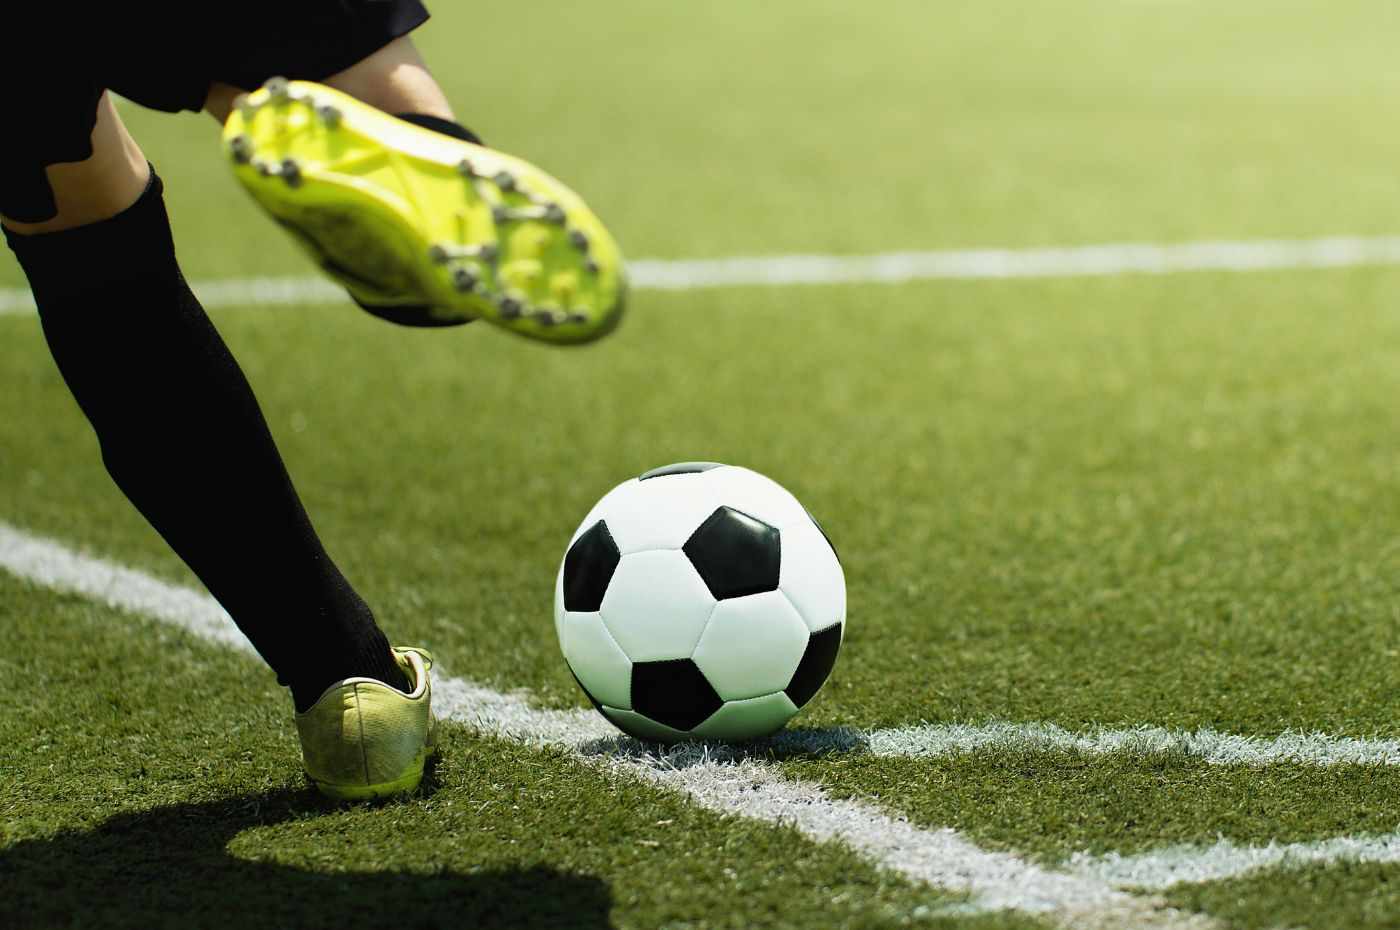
pixel 588 568
pixel 674 692
pixel 735 554
pixel 817 662
pixel 680 468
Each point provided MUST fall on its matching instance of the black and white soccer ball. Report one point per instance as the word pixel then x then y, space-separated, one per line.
pixel 700 601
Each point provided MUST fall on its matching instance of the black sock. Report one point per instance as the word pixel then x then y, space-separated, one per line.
pixel 444 126
pixel 413 314
pixel 182 436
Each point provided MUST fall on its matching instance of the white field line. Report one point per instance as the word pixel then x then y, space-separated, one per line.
pixel 940 858
pixel 1162 869
pixel 886 268
pixel 1209 746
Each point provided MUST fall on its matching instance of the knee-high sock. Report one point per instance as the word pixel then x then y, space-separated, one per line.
pixel 183 437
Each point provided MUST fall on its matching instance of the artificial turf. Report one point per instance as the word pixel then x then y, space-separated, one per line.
pixel 1338 895
pixel 1051 805
pixel 1051 504
pixel 1139 500
pixel 154 783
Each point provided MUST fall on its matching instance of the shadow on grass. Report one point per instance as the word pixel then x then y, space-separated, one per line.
pixel 786 744
pixel 170 867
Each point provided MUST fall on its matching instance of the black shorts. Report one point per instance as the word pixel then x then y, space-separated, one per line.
pixel 56 60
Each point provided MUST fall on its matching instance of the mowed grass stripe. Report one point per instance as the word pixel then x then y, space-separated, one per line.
pixel 884 268
pixel 940 858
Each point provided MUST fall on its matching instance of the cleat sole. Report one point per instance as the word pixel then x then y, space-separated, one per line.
pixel 401 215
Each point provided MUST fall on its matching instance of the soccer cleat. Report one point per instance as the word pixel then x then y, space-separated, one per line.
pixel 413 221
pixel 363 739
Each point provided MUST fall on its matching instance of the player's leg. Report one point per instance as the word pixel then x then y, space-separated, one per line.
pixel 394 79
pixel 90 191
pixel 178 425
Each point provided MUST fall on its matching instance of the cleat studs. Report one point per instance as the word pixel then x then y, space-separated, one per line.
pixel 503 213
pixel 277 88
pixel 241 149
pixel 263 168
pixel 505 181
pixel 291 173
pixel 548 317
pixel 464 168
pixel 463 279
pixel 577 317
pixel 579 239
pixel 510 308
pixel 590 266
pixel 329 115
pixel 442 252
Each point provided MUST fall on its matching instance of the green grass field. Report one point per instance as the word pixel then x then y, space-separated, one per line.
pixel 1090 502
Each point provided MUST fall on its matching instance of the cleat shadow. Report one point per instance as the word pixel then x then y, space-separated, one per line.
pixel 430 783
pixel 172 867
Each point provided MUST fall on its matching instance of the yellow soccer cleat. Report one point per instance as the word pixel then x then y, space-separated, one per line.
pixel 363 739
pixel 411 221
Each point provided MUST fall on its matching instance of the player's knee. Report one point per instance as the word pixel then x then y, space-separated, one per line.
pixel 81 193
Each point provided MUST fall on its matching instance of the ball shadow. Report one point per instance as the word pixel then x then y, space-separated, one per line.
pixel 801 743
pixel 170 867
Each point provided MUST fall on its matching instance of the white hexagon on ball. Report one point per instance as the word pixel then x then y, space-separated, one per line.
pixel 656 605
pixel 811 577
pixel 756 495
pixel 642 727
pixel 751 646
pixel 596 658
pixel 658 513
pixel 741 720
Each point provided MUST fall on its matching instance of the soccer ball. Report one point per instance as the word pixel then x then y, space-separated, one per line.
pixel 700 601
